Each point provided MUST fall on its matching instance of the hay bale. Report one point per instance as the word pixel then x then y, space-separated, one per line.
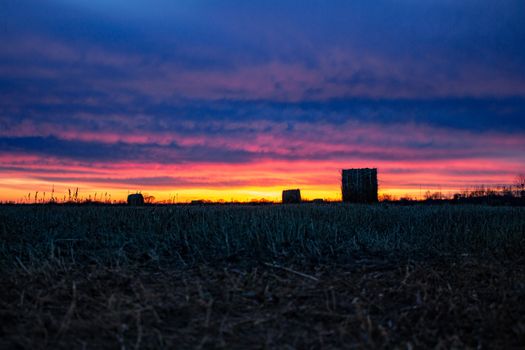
pixel 318 201
pixel 359 185
pixel 292 196
pixel 136 199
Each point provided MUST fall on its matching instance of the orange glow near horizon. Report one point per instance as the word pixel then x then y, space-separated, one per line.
pixel 240 182
pixel 249 160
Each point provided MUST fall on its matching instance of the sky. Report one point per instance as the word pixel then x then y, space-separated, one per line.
pixel 239 100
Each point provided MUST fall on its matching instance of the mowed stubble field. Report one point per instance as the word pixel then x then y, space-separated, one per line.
pixel 276 276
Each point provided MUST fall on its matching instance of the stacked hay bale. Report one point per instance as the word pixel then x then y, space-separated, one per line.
pixel 292 196
pixel 359 185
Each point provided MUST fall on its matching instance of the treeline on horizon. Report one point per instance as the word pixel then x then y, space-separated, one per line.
pixel 497 195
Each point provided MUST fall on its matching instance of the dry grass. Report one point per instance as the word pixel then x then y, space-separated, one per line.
pixel 208 278
pixel 368 304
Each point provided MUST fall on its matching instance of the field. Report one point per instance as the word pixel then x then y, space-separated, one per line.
pixel 275 276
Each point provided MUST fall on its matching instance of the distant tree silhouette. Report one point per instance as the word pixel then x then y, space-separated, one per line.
pixel 149 199
pixel 436 196
pixel 520 184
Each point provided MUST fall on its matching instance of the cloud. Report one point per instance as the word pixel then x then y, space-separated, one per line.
pixel 231 141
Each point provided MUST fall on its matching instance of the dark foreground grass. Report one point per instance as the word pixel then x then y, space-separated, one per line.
pixel 328 276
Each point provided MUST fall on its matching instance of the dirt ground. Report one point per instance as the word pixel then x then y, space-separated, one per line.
pixel 368 303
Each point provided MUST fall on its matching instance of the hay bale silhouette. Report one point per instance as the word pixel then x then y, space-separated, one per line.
pixel 136 199
pixel 292 196
pixel 359 185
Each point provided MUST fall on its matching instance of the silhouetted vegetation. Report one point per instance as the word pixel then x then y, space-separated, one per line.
pixel 194 234
pixel 510 195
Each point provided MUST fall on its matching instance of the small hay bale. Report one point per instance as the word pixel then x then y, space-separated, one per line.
pixel 136 199
pixel 292 196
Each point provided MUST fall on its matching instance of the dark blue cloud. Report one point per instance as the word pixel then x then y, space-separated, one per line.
pixel 475 114
pixel 154 153
pixel 104 152
pixel 237 69
pixel 230 33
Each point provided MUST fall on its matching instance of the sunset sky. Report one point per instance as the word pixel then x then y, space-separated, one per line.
pixel 193 99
